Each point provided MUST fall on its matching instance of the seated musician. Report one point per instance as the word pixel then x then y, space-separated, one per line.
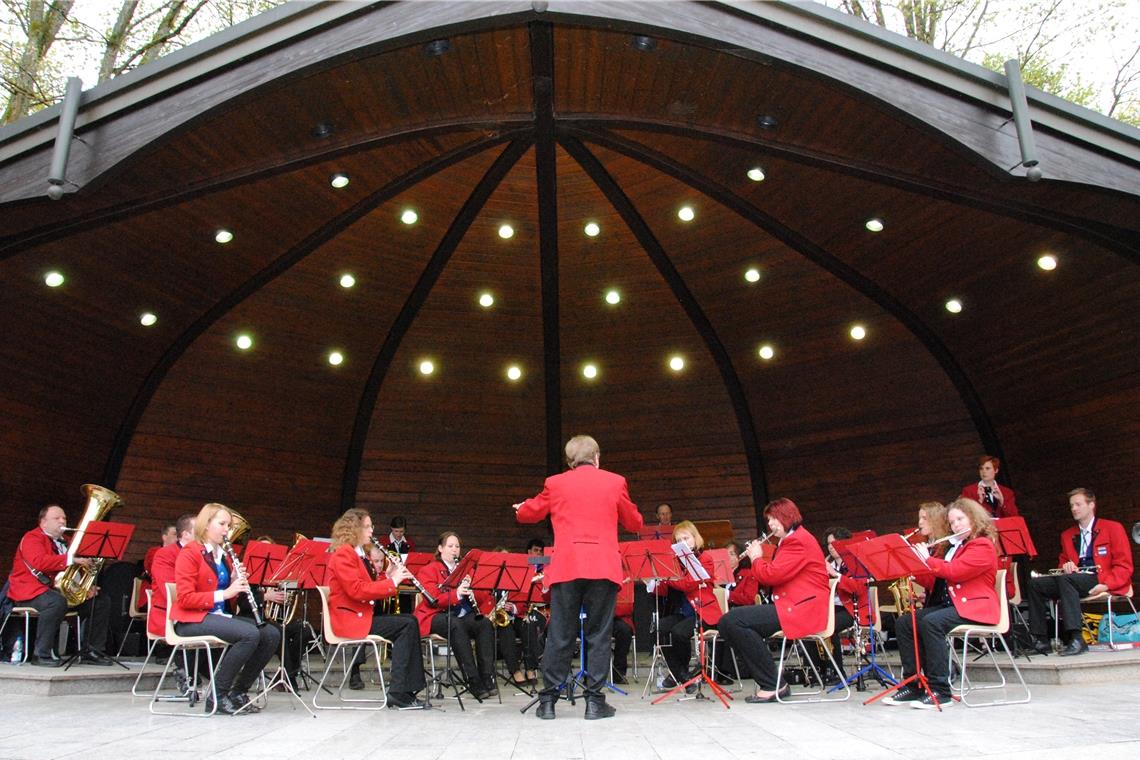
pixel 353 591
pixel 397 539
pixel 1095 558
pixel 207 584
pixel 41 554
pixel 960 589
pixel 169 536
pixel 462 615
pixel 698 599
pixel 161 573
pixel 797 576
pixel 997 499
pixel 742 592
pixel 504 616
pixel 271 598
pixel 664 515
pixel 532 625
pixel 851 595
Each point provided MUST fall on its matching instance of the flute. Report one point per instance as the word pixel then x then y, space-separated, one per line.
pixel 951 537
pixel 228 548
pixel 394 558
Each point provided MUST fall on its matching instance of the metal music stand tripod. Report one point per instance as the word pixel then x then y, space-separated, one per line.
pixel 651 560
pixel 503 573
pixel 101 540
pixel 463 568
pixel 849 551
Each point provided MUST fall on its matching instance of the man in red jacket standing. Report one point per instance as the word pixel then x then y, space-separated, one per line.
pixel 584 505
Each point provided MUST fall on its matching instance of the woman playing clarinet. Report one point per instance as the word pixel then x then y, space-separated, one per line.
pixel 207 584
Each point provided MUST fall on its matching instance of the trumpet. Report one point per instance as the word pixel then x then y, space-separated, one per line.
pixel 1061 571
pixel 394 558
pixel 501 615
pixel 228 548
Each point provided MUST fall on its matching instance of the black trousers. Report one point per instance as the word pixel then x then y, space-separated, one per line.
pixel 51 606
pixel 479 670
pixel 1067 590
pixel 250 648
pixel 596 598
pixel 531 630
pixel 679 649
pixel 933 625
pixel 623 638
pixel 746 629
pixel 407 664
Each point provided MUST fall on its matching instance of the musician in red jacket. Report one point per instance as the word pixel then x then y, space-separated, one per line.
pixel 353 591
pixel 997 499
pixel 851 596
pixel 169 536
pixel 42 554
pixel 623 631
pixel 206 583
pixel 960 589
pixel 584 505
pixel 698 600
pixel 800 593
pixel 1095 558
pixel 464 621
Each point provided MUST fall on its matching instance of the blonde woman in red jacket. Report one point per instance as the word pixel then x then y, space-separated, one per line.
pixel 207 584
pixel 960 589
pixel 797 576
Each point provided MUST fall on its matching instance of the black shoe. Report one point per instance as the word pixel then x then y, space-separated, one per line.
pixel 596 709
pixel 619 678
pixel 784 693
pixel 94 657
pixel 405 700
pixel 226 705
pixel 1075 646
pixel 51 661
pixel 294 682
pixel 692 688
pixel 724 680
pixel 668 682
pixel 904 695
pixel 355 682
pixel 545 709
pixel 927 702
pixel 242 700
pixel 481 694
pixel 1041 645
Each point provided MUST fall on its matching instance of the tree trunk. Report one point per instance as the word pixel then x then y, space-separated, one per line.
pixel 44 22
pixel 117 39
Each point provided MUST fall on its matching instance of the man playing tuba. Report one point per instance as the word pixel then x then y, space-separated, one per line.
pixel 42 554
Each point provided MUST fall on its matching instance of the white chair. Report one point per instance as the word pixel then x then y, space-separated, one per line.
pixel 823 639
pixel 338 643
pixel 185 644
pixel 986 634
pixel 133 614
pixel 152 643
pixel 713 638
pixel 30 612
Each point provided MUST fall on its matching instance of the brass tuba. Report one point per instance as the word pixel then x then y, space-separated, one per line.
pixel 239 526
pixel 75 581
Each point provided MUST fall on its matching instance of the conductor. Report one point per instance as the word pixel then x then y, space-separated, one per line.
pixel 584 504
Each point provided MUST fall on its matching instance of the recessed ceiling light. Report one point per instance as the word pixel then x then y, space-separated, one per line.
pixel 676 363
pixel 752 275
pixel 686 213
pixel 347 281
pixel 146 319
pixel 409 216
pixel 644 43
pixel 592 229
pixel 436 48
pixel 323 129
pixel 223 236
pixel 339 180
pixel 53 279
pixel 427 366
pixel 954 306
pixel 244 342
pixel 766 351
pixel 1048 262
pixel 613 297
pixel 767 121
pixel 858 332
pixel 336 358
pixel 756 174
pixel 874 225
pixel 486 300
pixel 506 231
pixel 590 371
pixel 514 372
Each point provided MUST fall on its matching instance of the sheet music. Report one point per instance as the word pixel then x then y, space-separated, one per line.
pixel 690 562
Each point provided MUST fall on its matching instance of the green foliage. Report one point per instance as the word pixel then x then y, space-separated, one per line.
pixel 1053 79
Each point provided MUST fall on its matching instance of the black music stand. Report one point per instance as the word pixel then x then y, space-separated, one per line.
pixel 887 558
pixel 1014 541
pixel 503 573
pixel 107 541
pixel 539 564
pixel 651 560
pixel 850 551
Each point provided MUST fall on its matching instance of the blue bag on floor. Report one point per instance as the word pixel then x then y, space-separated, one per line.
pixel 1125 628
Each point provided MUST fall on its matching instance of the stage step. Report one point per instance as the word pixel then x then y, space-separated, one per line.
pixel 1094 667
pixel 31 680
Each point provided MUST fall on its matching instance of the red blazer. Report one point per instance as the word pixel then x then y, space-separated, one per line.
pixel 386 541
pixel 743 594
pixel 353 593
pixel 701 597
pixel 969 577
pixel 197 581
pixel 849 591
pixel 161 573
pixel 799 581
pixel 1110 551
pixel 36 548
pixel 623 606
pixel 584 505
pixel 431 575
pixel 148 575
pixel 1008 506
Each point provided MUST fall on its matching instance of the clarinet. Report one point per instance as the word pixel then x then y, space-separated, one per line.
pixel 228 548
pixel 394 558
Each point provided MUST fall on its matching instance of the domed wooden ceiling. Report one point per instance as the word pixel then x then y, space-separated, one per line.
pixel 479 115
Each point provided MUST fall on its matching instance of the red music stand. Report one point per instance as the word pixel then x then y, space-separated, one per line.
pixel 889 558
pixel 1013 537
pixel 416 561
pixel 656 533
pixel 722 568
pixel 261 559
pixel 310 562
pixel 104 540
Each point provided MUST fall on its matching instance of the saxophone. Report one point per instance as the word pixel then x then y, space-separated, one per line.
pixel 75 581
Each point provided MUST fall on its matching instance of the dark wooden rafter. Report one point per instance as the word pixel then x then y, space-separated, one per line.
pixel 542 65
pixel 1119 240
pixel 11 245
pixel 653 248
pixel 817 254
pixel 267 274
pixel 411 308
